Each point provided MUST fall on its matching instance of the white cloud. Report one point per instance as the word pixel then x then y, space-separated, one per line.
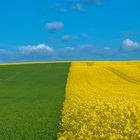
pixel 79 7
pixel 41 48
pixel 68 48
pixel 68 38
pixel 86 46
pixel 129 44
pixel 44 47
pixel 54 26
pixel 59 7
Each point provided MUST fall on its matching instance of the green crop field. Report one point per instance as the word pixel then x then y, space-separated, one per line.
pixel 31 99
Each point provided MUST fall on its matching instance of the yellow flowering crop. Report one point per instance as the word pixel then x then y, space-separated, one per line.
pixel 102 102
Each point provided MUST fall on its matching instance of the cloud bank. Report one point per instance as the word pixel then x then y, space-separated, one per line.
pixel 129 50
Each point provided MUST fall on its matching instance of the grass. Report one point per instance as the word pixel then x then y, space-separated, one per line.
pixel 31 98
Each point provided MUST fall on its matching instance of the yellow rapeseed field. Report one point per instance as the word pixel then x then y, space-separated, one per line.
pixel 102 102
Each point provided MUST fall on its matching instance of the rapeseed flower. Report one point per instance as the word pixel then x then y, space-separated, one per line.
pixel 102 102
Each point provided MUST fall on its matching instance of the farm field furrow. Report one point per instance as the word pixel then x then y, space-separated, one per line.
pixel 31 98
pixel 102 102
pixel 123 75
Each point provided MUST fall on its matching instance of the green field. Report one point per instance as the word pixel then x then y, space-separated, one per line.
pixel 31 99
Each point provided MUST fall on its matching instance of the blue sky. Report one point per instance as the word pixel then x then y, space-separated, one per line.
pixel 69 30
